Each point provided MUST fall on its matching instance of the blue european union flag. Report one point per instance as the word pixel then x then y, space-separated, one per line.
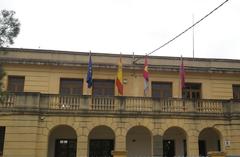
pixel 89 74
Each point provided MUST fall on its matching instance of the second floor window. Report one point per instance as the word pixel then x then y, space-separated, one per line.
pixel 16 83
pixel 192 91
pixel 236 91
pixel 71 86
pixel 161 89
pixel 103 87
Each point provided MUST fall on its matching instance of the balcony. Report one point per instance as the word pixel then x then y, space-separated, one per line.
pixel 53 103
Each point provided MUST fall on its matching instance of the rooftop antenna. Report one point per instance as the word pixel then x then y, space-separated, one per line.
pixel 174 38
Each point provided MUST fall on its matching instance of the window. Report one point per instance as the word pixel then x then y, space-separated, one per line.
pixel 103 87
pixel 161 89
pixel 16 83
pixel 2 135
pixel 192 91
pixel 236 91
pixel 65 147
pixel 71 86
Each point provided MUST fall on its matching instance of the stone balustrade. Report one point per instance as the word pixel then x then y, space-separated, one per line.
pixel 54 102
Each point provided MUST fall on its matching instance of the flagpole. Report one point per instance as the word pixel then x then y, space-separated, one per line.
pixel 89 74
pixel 146 77
pixel 179 82
pixel 88 92
pixel 193 42
pixel 117 73
pixel 181 77
pixel 119 78
pixel 120 63
pixel 181 71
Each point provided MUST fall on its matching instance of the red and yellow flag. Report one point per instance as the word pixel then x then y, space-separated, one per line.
pixel 182 74
pixel 145 76
pixel 119 80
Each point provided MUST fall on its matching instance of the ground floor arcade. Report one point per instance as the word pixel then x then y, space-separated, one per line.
pixel 138 142
pixel 65 136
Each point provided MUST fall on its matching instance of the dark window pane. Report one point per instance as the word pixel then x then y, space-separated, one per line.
pixel 101 147
pixel 16 83
pixel 71 86
pixel 192 91
pixel 236 91
pixel 161 89
pixel 65 147
pixel 2 135
pixel 103 87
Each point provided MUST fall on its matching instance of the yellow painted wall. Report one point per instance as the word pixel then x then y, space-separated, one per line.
pixel 46 79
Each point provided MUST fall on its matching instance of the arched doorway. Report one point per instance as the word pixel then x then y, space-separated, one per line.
pixel 62 142
pixel 209 140
pixel 174 142
pixel 101 141
pixel 139 142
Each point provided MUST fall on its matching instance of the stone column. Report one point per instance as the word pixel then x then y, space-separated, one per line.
pixel 192 145
pixel 120 147
pixel 42 141
pixel 82 146
pixel 157 145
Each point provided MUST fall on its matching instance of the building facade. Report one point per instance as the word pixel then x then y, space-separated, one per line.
pixel 49 111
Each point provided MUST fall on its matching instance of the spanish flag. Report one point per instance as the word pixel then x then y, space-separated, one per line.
pixel 119 80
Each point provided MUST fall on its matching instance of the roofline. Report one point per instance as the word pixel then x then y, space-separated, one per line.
pixel 166 68
pixel 115 55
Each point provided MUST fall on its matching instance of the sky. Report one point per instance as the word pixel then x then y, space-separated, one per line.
pixel 127 26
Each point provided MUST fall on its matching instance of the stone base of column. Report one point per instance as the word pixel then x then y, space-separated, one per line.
pixel 119 153
pixel 216 154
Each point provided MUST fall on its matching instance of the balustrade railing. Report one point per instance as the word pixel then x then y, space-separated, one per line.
pixel 116 104
pixel 104 104
pixel 209 106
pixel 138 104
pixel 64 102
pixel 8 100
pixel 173 105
